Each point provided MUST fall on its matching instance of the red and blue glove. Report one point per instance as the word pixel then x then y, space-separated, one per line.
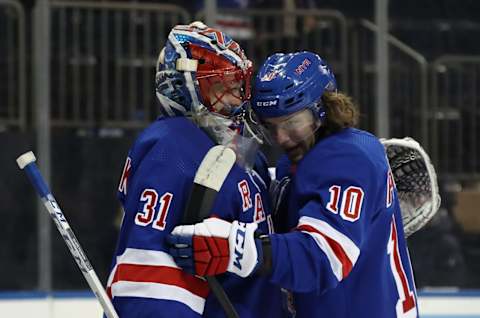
pixel 215 246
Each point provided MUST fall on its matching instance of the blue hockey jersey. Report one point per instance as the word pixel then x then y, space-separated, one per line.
pixel 154 187
pixel 346 255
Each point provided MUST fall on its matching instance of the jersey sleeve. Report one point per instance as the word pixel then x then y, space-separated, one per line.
pixel 145 281
pixel 334 196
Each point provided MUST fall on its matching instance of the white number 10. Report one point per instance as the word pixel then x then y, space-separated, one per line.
pixel 352 200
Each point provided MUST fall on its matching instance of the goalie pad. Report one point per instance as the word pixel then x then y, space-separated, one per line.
pixel 416 182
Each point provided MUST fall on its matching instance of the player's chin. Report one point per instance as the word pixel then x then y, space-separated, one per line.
pixel 296 153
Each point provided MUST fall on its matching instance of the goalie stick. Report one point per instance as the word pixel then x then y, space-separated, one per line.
pixel 26 162
pixel 209 178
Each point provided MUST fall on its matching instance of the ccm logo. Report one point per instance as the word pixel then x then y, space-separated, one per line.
pixel 267 103
pixel 239 245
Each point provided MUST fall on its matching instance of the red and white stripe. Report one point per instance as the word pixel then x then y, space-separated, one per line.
pixel 154 274
pixel 341 251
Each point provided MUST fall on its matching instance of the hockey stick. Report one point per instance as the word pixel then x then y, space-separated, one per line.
pixel 210 175
pixel 26 162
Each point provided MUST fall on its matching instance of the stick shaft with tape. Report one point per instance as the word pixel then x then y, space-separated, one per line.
pixel 209 178
pixel 26 162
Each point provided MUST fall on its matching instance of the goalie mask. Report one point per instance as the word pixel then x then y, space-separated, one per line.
pixel 201 69
pixel 203 74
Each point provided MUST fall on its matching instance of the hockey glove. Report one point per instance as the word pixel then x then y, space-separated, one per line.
pixel 215 246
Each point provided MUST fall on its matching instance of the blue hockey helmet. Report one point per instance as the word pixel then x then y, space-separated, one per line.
pixel 287 83
pixel 195 61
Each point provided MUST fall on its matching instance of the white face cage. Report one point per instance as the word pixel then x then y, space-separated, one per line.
pixel 416 182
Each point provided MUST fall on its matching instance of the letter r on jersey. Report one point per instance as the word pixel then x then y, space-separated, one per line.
pixel 245 193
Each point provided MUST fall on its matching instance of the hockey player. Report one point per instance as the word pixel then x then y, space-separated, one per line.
pixel 202 80
pixel 346 254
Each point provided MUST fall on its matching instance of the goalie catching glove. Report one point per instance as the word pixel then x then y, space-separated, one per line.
pixel 215 246
pixel 415 180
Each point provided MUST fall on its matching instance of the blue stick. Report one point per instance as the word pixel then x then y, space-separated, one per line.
pixel 27 163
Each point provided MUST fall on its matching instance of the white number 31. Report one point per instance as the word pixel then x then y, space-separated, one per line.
pixel 145 217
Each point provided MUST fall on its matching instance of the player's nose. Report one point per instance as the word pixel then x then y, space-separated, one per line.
pixel 232 100
pixel 281 137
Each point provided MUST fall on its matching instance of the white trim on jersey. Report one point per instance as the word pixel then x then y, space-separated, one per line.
pixel 159 291
pixel 326 237
pixel 142 257
pixel 111 276
pixel 253 173
pixel 146 257
pixel 159 278
pixel 253 181
pixel 335 264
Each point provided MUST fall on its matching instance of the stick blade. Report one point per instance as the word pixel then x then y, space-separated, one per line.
pixel 215 167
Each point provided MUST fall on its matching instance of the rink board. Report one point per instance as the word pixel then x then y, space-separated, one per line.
pixel 462 304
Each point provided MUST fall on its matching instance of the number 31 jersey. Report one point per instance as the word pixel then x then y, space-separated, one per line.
pixel 154 190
